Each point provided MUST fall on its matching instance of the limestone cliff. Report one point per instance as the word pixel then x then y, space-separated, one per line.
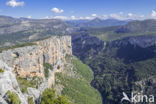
pixel 8 82
pixel 28 61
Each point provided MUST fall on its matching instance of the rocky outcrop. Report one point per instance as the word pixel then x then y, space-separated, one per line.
pixel 28 61
pixel 8 82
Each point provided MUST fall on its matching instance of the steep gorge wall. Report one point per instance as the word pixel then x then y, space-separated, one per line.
pixel 29 60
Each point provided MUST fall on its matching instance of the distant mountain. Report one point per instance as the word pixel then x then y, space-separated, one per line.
pixel 96 23
pixel 76 23
pixel 16 30
pixel 12 25
pixel 132 28
pixel 134 49
pixel 137 26
pixel 6 21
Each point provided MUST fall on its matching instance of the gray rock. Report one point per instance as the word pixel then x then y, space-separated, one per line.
pixel 34 93
pixel 8 82
pixel 2 101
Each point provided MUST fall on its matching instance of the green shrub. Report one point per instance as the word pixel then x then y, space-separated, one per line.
pixel 62 100
pixel 24 83
pixel 30 100
pixel 13 98
pixel 1 70
pixel 47 66
pixel 48 96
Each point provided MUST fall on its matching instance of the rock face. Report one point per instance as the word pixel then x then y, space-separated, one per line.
pixel 28 61
pixel 8 82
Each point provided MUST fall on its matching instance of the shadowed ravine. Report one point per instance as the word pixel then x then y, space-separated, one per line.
pixel 119 66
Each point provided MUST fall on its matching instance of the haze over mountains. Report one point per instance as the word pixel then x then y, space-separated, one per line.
pixel 14 30
pixel 96 23
pixel 24 29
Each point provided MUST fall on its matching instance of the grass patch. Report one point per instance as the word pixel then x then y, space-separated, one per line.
pixel 83 70
pixel 79 89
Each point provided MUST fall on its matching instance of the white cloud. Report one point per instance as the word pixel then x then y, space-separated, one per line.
pixel 73 17
pixel 46 17
pixel 105 16
pixel 121 13
pixel 81 18
pixel 94 15
pixel 61 17
pixel 88 18
pixel 136 16
pixel 56 10
pixel 65 17
pixel 14 3
pixel 142 16
pixel 29 17
pixel 122 16
pixel 153 14
pixel 76 18
pixel 56 17
pixel 130 14
pixel 117 16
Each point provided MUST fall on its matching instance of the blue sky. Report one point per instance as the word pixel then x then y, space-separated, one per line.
pixel 79 9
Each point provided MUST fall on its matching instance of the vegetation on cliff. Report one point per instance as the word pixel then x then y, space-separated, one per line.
pixel 76 82
pixel 49 97
pixel 1 70
pixel 24 83
pixel 13 98
pixel 47 67
pixel 30 100
pixel 17 46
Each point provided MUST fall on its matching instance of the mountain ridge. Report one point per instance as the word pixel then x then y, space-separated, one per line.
pixel 96 23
